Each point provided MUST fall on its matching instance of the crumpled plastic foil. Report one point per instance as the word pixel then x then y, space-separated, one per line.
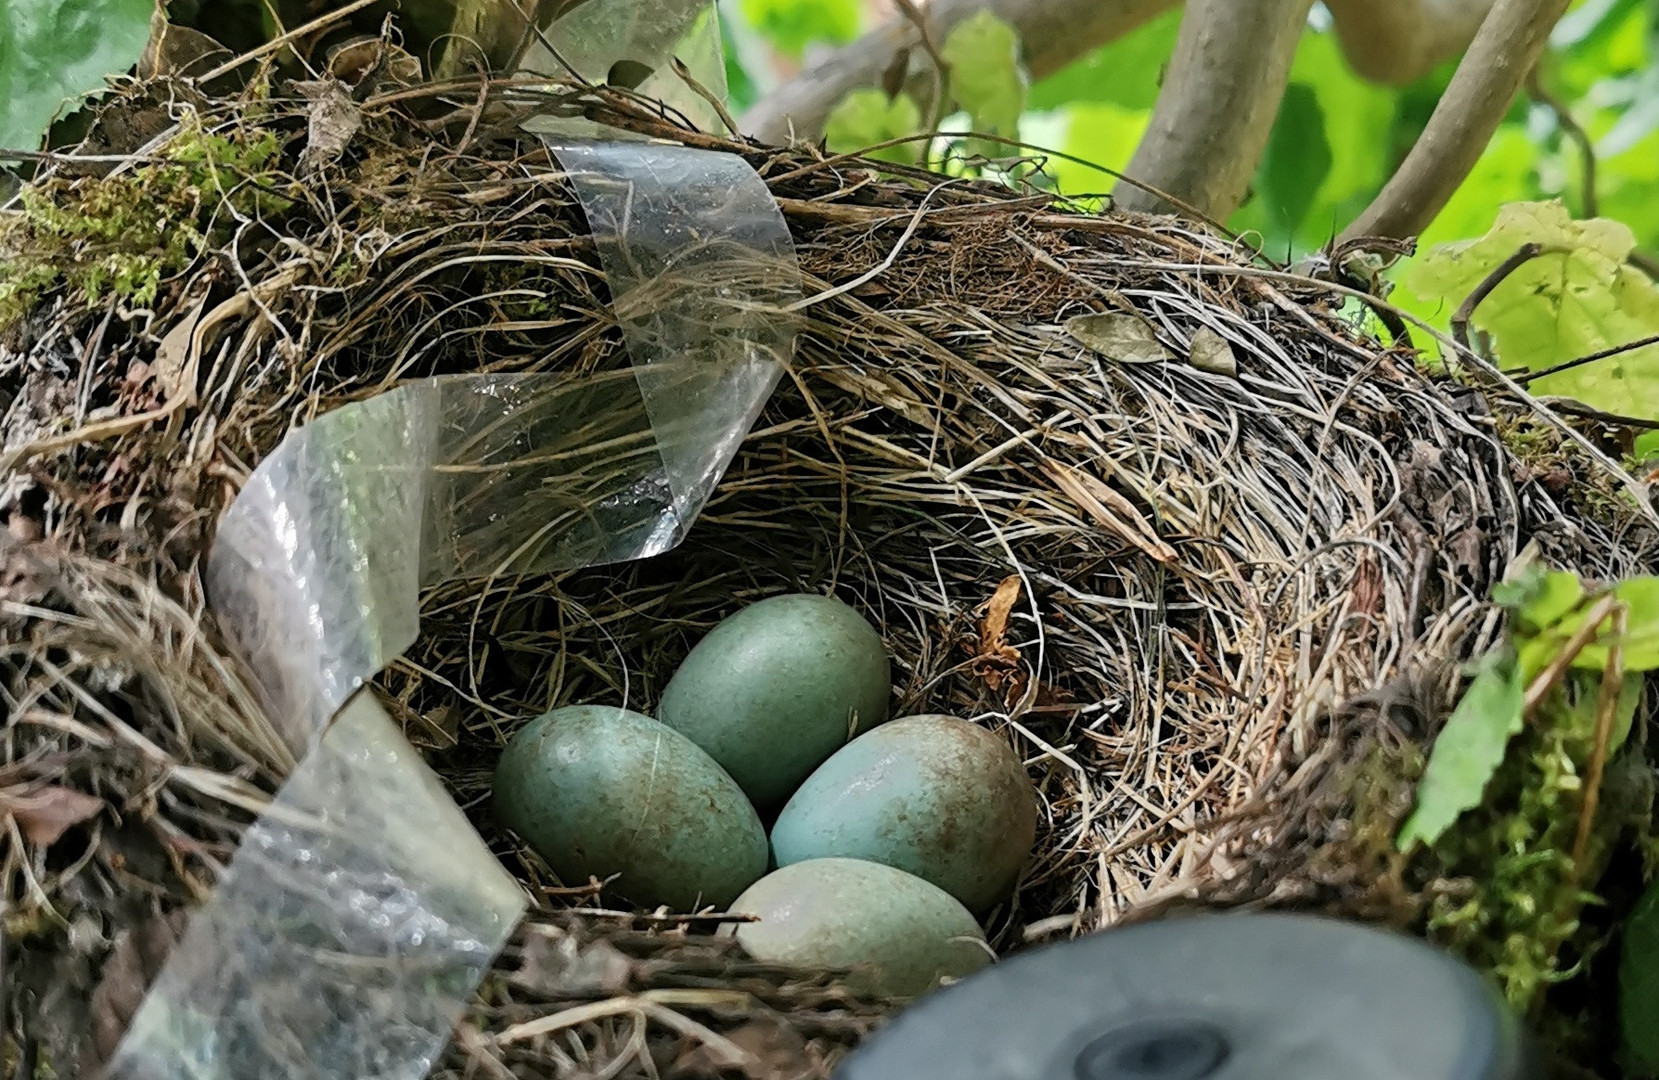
pixel 361 910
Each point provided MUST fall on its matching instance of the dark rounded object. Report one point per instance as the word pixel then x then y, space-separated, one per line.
pixel 1210 997
pixel 1156 1051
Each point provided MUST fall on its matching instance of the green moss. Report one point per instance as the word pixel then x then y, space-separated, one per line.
pixel 121 236
pixel 1505 891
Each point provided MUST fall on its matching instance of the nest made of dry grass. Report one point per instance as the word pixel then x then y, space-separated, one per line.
pixel 1203 569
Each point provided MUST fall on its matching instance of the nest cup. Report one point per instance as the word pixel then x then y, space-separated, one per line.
pixel 1165 584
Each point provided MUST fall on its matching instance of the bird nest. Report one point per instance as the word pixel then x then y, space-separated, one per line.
pixel 1200 604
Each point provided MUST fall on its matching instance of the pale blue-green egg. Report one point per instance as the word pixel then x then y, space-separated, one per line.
pixel 935 796
pixel 898 934
pixel 776 688
pixel 600 791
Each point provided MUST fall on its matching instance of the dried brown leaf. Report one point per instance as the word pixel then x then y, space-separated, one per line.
pixel 46 813
pixel 1120 336
pixel 1095 498
pixel 1213 353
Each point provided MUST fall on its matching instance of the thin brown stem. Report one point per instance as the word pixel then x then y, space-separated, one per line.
pixel 1466 311
pixel 1591 358
pixel 1551 676
pixel 1574 131
pixel 1506 48
pixel 1607 705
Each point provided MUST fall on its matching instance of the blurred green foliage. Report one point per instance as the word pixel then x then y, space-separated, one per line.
pixel 53 54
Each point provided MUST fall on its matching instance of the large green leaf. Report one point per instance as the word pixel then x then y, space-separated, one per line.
pixel 986 77
pixel 58 51
pixel 1639 981
pixel 1325 161
pixel 1296 163
pixel 792 25
pixel 1468 750
pixel 1577 298
pixel 1127 72
pixel 867 117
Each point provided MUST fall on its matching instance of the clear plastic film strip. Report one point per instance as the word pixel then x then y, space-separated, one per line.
pixel 361 910
pixel 633 43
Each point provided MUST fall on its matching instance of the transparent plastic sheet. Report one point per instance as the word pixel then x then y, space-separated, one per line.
pixel 597 34
pixel 361 910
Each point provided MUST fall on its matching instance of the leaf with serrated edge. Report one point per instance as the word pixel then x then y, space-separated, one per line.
pixel 1580 296
pixel 1468 750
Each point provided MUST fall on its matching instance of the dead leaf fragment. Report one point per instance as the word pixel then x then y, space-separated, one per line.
pixel 1120 336
pixel 46 813
pixel 1213 353
pixel 331 123
pixel 996 661
pixel 1097 499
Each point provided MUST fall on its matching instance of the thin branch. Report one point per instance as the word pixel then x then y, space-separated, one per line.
pixel 1215 112
pixel 1466 311
pixel 941 69
pixel 1607 705
pixel 1506 48
pixel 280 42
pixel 1616 350
pixel 1053 33
pixel 1574 131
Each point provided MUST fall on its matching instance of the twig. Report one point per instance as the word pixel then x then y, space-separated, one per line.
pixel 1546 680
pixel 281 41
pixel 941 69
pixel 1607 705
pixel 1506 48
pixel 1574 131
pixel 703 92
pixel 1591 358
pixel 880 268
pixel 1460 319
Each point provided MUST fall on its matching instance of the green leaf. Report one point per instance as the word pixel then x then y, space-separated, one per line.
pixel 1639 980
pixel 866 117
pixel 1127 72
pixel 1539 598
pixel 58 51
pixel 1577 298
pixel 1624 715
pixel 986 77
pixel 1468 751
pixel 1335 137
pixel 1296 162
pixel 792 25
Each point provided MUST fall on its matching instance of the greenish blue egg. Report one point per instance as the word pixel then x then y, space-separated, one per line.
pixel 776 688
pixel 941 798
pixel 898 934
pixel 597 790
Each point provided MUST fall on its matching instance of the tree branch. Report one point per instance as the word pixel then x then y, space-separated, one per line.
pixel 1395 41
pixel 1503 52
pixel 1053 33
pixel 1216 110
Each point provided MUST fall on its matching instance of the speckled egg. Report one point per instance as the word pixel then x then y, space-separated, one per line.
pixel 899 935
pixel 932 795
pixel 775 689
pixel 597 790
